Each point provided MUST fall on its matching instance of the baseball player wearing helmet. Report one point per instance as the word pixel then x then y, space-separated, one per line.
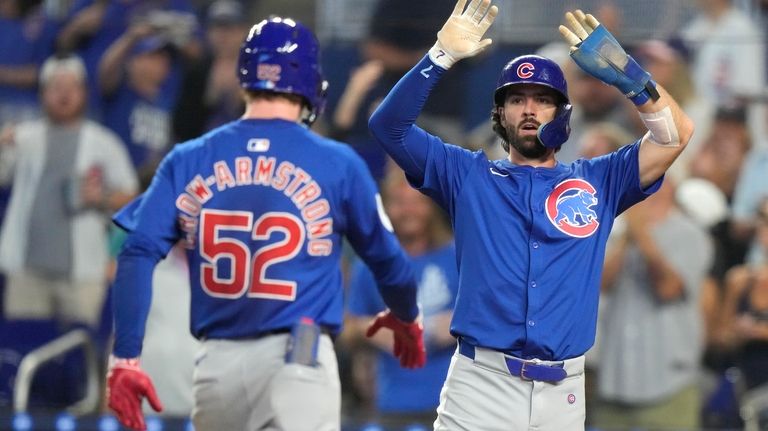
pixel 261 205
pixel 530 231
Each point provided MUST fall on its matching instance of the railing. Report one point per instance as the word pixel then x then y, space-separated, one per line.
pixel 33 360
pixel 754 407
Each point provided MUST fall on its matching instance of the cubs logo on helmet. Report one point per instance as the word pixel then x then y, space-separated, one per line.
pixel 571 208
pixel 525 70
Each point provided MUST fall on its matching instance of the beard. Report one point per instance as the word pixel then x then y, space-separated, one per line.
pixel 528 146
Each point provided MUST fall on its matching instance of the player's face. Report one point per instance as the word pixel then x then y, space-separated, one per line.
pixel 151 67
pixel 64 97
pixel 526 108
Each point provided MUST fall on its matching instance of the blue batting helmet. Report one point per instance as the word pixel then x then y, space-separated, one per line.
pixel 282 56
pixel 533 69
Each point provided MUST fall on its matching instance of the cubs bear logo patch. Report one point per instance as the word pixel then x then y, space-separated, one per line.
pixel 571 208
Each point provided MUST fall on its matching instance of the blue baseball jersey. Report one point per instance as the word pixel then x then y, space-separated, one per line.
pixel 261 206
pixel 398 389
pixel 530 241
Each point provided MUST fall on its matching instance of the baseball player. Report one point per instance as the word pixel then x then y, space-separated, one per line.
pixel 261 205
pixel 530 231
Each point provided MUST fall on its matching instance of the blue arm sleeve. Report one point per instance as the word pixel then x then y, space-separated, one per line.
pixel 151 220
pixel 392 124
pixel 362 299
pixel 376 244
pixel 132 293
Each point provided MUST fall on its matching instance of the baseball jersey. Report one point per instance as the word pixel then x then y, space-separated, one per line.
pixel 530 241
pixel 261 206
pixel 398 389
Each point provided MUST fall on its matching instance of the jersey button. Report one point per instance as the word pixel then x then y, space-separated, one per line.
pixel 533 284
pixel 531 323
pixel 535 244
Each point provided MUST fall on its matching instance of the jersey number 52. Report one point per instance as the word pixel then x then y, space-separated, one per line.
pixel 247 268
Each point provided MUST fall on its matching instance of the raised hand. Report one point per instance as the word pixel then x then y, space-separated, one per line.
pixel 462 34
pixel 599 54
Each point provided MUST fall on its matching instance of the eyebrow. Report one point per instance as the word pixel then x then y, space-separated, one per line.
pixel 537 92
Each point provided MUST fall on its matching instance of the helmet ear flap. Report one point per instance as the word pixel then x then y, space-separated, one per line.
pixel 554 133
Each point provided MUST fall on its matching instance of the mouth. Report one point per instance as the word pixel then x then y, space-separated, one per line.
pixel 529 128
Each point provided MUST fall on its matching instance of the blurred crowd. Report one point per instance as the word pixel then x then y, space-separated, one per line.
pixel 93 93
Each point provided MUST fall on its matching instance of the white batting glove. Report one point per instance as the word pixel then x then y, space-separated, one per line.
pixel 462 35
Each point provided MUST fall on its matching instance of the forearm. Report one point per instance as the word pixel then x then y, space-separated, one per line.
pixel 397 286
pixel 393 121
pixel 24 76
pixel 666 282
pixel 110 67
pixel 85 24
pixel 612 265
pixel 346 112
pixel 132 295
pixel 670 129
pixel 116 200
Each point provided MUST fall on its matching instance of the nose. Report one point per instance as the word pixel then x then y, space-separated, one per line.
pixel 529 106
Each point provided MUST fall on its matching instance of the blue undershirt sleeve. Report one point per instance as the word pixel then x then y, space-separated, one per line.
pixel 132 293
pixel 392 124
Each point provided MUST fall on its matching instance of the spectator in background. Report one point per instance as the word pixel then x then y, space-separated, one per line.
pixel 211 95
pixel 138 105
pixel 600 139
pixel 410 396
pixel 667 63
pixel 593 102
pixel 69 174
pixel 728 59
pixel 745 310
pixel 652 334
pixel 720 159
pixel 751 189
pixel 94 25
pixel 400 32
pixel 26 39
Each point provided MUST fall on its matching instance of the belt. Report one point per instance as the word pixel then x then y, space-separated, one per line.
pixel 277 331
pixel 526 370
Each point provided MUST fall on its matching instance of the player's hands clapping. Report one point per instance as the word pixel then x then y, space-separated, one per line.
pixel 127 386
pixel 462 35
pixel 409 338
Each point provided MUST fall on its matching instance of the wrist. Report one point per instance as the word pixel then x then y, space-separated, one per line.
pixel 439 56
pixel 117 362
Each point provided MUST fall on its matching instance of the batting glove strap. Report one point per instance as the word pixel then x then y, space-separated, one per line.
pixel 440 57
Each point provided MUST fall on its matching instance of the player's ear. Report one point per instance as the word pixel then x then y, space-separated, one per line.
pixel 500 113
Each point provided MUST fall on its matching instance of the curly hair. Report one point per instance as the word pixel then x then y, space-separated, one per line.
pixel 500 131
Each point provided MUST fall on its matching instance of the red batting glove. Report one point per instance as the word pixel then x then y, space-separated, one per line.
pixel 409 338
pixel 127 386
